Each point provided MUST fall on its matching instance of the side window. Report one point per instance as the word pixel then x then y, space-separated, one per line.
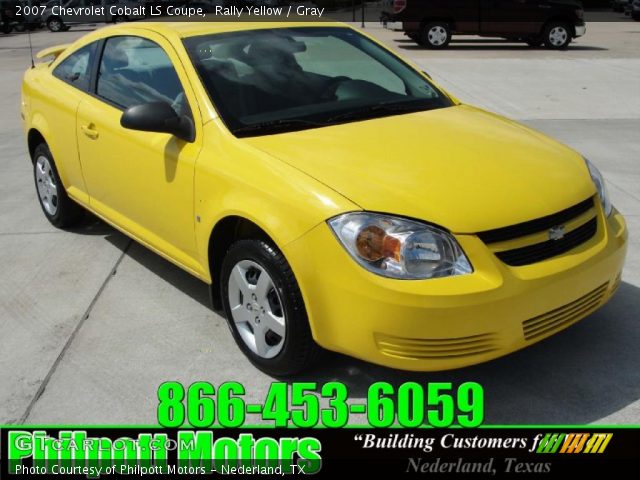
pixel 134 70
pixel 76 68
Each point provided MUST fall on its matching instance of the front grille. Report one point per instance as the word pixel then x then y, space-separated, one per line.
pixel 436 348
pixel 562 317
pixel 551 248
pixel 534 226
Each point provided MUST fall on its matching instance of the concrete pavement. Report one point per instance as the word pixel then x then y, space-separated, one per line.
pixel 91 323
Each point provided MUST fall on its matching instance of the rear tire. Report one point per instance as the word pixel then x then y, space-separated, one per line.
pixel 435 35
pixel 556 35
pixel 265 309
pixel 56 205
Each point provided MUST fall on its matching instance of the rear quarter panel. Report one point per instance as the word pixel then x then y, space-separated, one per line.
pixel 50 108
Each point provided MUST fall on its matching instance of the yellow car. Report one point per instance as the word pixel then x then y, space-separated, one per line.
pixel 330 193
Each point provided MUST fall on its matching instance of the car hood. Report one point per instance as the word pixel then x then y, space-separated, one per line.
pixel 460 167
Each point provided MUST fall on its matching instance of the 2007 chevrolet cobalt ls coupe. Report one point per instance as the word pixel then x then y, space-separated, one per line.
pixel 329 191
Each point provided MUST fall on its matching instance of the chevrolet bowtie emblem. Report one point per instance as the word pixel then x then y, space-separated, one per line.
pixel 556 233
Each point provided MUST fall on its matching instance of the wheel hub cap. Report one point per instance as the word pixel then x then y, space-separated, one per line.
pixel 256 309
pixel 558 36
pixel 437 36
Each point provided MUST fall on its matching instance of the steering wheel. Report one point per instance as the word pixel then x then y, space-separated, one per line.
pixel 329 90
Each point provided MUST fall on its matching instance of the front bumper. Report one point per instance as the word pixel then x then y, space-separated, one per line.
pixel 452 322
pixel 580 30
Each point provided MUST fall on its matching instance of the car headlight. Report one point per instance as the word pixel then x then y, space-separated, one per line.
pixel 598 181
pixel 399 248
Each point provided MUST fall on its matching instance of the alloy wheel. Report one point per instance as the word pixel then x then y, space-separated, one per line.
pixel 55 25
pixel 47 187
pixel 256 308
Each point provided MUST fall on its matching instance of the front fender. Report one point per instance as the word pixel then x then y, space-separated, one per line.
pixel 235 179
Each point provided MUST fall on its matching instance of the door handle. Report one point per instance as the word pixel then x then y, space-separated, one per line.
pixel 89 131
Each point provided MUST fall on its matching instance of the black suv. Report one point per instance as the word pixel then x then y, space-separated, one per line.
pixel 431 23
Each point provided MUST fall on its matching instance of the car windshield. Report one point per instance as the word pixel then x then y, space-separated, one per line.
pixel 273 80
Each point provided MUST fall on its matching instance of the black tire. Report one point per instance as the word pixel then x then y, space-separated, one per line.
pixel 55 24
pixel 556 35
pixel 435 35
pixel 6 28
pixel 298 351
pixel 20 27
pixel 67 212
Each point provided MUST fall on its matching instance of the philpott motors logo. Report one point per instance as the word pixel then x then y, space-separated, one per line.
pixel 573 442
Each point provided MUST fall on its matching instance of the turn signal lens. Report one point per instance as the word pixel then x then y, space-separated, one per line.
pixel 399 248
pixel 373 244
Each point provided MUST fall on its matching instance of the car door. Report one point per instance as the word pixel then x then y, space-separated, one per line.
pixel 512 18
pixel 141 181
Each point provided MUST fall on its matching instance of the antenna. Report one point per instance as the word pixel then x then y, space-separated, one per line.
pixel 30 48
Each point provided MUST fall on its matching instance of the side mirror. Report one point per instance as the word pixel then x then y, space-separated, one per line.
pixel 158 117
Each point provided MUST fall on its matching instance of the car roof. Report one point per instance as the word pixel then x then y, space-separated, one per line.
pixel 192 29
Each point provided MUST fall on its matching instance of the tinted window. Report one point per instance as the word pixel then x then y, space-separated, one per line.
pixel 76 68
pixel 289 78
pixel 332 57
pixel 135 70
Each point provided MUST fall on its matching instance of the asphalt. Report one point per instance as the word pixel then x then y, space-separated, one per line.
pixel 91 322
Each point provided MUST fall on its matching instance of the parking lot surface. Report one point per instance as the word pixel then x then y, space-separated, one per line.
pixel 91 322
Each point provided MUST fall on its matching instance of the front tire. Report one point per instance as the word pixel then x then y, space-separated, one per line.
pixel 265 309
pixel 56 205
pixel 436 35
pixel 56 24
pixel 556 35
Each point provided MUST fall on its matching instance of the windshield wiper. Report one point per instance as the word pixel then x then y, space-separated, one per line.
pixel 371 111
pixel 278 126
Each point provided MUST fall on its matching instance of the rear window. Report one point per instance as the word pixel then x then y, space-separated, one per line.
pixel 76 68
